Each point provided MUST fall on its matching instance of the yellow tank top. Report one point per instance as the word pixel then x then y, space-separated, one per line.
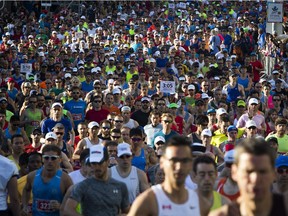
pixel 217 203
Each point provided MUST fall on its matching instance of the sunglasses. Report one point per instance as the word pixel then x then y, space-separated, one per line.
pixel 97 101
pixel 136 139
pixel 37 134
pixel 282 170
pixel 276 100
pixel 253 128
pixel 106 128
pixel 167 121
pixel 118 121
pixel 125 156
pixel 50 157
pixel 76 93
pixel 116 137
pixel 59 133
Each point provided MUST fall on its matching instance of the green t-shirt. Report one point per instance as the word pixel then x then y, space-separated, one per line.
pixel 282 143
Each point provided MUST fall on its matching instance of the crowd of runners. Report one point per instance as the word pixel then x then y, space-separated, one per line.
pixel 142 108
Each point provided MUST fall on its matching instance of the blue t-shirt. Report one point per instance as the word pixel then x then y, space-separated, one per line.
pixel 166 136
pixel 87 87
pixel 77 110
pixel 49 123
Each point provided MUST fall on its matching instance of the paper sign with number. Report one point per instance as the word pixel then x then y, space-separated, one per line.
pixel 167 86
pixel 79 35
pixel 25 67
pixel 182 5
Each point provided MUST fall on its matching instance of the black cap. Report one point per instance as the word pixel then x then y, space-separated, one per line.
pixel 37 129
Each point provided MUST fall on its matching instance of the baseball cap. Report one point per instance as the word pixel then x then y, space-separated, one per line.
pixel 281 161
pixel 191 87
pixel 275 72
pixel 253 101
pixel 220 111
pixel 56 104
pixel 123 149
pixel 206 132
pixel 111 59
pixel 273 139
pixel 58 125
pixel 116 91
pixel 96 82
pixel 241 103
pixel 200 76
pixel 67 75
pixel 232 128
pixel 96 154
pixel 159 139
pixel 145 99
pixel 125 108
pixel 211 111
pixel 3 99
pixel 51 135
pixel 250 123
pixel 204 96
pixel 198 148
pixel 173 105
pixel 229 156
pixel 93 124
pixel 37 129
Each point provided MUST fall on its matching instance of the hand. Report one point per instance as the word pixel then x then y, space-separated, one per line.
pixel 55 205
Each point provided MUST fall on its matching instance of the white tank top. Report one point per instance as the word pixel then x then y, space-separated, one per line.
pixel 89 143
pixel 130 124
pixel 131 181
pixel 167 208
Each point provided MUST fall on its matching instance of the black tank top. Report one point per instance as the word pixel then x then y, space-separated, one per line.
pixel 278 207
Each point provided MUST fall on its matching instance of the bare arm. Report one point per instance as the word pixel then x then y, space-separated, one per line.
pixel 140 205
pixel 79 149
pixel 72 137
pixel 65 161
pixel 143 181
pixel 13 194
pixel 70 208
pixel 27 191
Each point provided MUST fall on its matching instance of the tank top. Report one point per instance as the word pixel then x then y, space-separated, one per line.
pixel 278 207
pixel 130 124
pixel 217 203
pixel 280 113
pixel 89 144
pixel 220 189
pixel 140 161
pixel 44 192
pixel 35 118
pixel 196 139
pixel 233 93
pixel 64 149
pixel 131 181
pixel 167 208
pixel 8 135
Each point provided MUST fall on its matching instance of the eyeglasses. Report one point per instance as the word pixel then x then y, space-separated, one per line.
pixel 76 93
pixel 125 156
pixel 97 101
pixel 106 128
pixel 118 121
pixel 282 170
pixel 136 139
pixel 253 128
pixel 115 137
pixel 59 133
pixel 50 157
pixel 167 121
pixel 276 100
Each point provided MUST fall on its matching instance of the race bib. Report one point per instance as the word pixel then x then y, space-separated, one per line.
pixel 77 117
pixel 35 123
pixel 43 206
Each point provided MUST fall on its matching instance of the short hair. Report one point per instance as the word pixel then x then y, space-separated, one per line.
pixel 82 124
pixel 84 154
pixel 23 159
pixel 35 153
pixel 136 132
pixel 225 118
pixel 16 136
pixel 14 118
pixel 254 146
pixel 111 143
pixel 203 159
pixel 176 141
pixel 201 119
pixel 166 114
pixel 154 112
pixel 105 121
pixel 280 120
pixel 51 147
pixel 115 130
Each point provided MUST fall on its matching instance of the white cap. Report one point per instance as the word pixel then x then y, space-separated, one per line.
pixel 56 104
pixel 132 55
pixel 110 81
pixel 82 17
pixel 206 132
pixel 200 76
pixel 216 78
pixel 181 78
pixel 81 67
pixel 250 123
pixel 275 72
pixel 145 99
pixel 220 111
pixel 30 36
pixel 111 59
pixel 41 54
pixel 123 149
pixel 74 69
pixel 51 135
pixel 96 154
pixel 93 124
pixel 224 92
pixel 229 156
pixel 159 139
pixel 191 86
pixel 125 108
pixel 67 75
pixel 233 56
pixel 253 101
pixel 80 62
pixel 116 91
pixel 204 96
pixel 152 60
pixel 96 81
pixel 54 32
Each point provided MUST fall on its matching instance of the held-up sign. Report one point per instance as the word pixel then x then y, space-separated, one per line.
pixel 79 35
pixel 167 86
pixel 171 5
pixel 25 68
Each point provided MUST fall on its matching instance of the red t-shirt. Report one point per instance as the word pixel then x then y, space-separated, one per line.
pixel 256 72
pixel 98 116
pixel 30 148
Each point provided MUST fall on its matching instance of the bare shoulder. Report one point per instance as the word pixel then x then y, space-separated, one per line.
pixel 145 199
pixel 223 211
